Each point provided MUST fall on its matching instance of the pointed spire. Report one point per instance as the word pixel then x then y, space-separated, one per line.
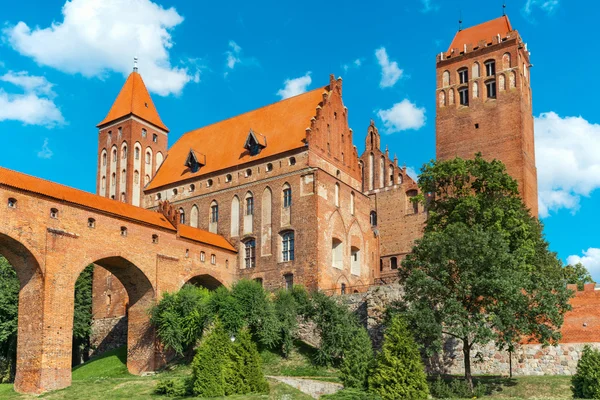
pixel 504 9
pixel 460 21
pixel 134 99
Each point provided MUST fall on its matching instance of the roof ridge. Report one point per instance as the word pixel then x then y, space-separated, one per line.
pixel 255 109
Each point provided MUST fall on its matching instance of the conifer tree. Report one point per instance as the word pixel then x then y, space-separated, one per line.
pixel 210 361
pixel 399 372
pixel 358 361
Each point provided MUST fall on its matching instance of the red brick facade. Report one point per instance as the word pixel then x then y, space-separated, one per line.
pixel 499 124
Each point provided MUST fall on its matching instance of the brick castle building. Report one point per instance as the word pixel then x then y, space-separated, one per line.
pixel 278 194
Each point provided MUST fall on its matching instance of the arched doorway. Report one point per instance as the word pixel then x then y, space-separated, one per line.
pixel 206 281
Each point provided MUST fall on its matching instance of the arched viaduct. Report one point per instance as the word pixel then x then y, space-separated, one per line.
pixel 50 233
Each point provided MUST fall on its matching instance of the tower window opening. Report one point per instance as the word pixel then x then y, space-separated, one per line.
pixel 209 183
pixel 155 138
pixel 228 178
pixel 491 89
pixel 53 213
pixel 394 263
pixel 476 126
pixel 123 231
pixel 269 167
pixel 490 68
pixel 213 259
pixel 202 256
pixel 463 75
pixel 91 223
pixel 292 160
pixel 12 203
pixel 463 94
pixel 144 132
pixel 155 238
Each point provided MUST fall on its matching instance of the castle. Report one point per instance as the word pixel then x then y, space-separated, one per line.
pixel 284 183
pixel 279 195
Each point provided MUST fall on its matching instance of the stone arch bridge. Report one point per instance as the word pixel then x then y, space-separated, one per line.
pixel 50 233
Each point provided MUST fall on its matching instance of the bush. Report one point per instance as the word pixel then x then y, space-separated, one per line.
pixel 337 326
pixel 258 312
pixel 399 371
pixel 286 310
pixel 223 367
pixel 180 317
pixel 586 381
pixel 170 387
pixel 352 394
pixel 210 362
pixel 456 389
pixel 358 361
pixel 227 309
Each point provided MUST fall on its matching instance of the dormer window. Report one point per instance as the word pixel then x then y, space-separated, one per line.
pixel 195 161
pixel 255 143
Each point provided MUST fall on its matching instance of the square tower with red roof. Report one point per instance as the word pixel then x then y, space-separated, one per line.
pixel 484 102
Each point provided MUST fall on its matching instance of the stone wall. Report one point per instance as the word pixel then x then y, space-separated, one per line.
pixel 108 334
pixel 528 359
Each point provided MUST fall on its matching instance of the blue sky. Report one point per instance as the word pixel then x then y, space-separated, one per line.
pixel 63 63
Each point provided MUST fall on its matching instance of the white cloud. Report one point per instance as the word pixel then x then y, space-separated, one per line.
pixel 45 152
pixel 354 64
pixel 233 55
pixel 402 116
pixel 99 37
pixel 568 161
pixel 293 87
pixel 429 6
pixel 33 107
pixel 29 109
pixel 29 83
pixel 390 72
pixel 590 259
pixel 545 5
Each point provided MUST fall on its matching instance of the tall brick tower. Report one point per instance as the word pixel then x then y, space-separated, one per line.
pixel 484 102
pixel 132 143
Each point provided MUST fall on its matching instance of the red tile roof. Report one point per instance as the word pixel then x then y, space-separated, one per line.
pixel 134 99
pixel 56 191
pixel 485 31
pixel 282 124
pixel 199 235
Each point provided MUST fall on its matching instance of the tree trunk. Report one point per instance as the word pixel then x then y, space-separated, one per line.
pixel 510 364
pixel 467 356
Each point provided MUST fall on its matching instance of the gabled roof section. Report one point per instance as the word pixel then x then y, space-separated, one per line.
pixel 282 124
pixel 255 142
pixel 195 160
pixel 134 99
pixel 485 31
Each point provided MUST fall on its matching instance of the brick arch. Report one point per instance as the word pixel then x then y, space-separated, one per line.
pixel 205 280
pixel 30 312
pixel 142 296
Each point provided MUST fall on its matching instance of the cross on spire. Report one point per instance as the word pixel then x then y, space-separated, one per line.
pixel 135 67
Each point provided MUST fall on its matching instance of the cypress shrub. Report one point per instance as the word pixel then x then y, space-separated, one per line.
pixel 399 371
pixel 210 363
pixel 358 361
pixel 249 364
pixel 586 381
pixel 286 310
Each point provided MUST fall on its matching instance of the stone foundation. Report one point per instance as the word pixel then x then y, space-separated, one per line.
pixel 528 359
pixel 108 334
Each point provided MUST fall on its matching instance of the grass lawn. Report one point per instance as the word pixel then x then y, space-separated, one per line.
pixel 106 377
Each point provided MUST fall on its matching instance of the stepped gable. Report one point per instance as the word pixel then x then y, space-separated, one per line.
pixel 485 31
pixel 280 126
pixel 134 99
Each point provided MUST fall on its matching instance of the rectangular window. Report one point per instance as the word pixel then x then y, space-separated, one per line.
pixel 287 246
pixel 464 96
pixel 213 259
pixel 491 89
pixel 250 254
pixel 287 197
pixel 250 206
pixel 463 75
pixel 289 281
pixel 490 68
pixel 214 213
pixel 155 138
pixel 202 256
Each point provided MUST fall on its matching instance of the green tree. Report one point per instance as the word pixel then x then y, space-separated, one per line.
pixel 482 271
pixel 229 311
pixel 82 315
pixel 180 317
pixel 249 364
pixel 577 275
pixel 358 361
pixel 286 310
pixel 586 381
pixel 399 372
pixel 210 364
pixel 9 310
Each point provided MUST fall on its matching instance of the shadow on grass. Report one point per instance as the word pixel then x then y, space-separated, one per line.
pixel 110 364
